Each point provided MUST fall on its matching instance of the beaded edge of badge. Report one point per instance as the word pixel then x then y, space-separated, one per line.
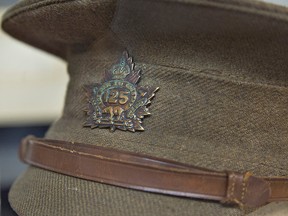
pixel 118 102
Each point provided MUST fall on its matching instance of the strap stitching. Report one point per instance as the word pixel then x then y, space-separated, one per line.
pixel 233 185
pixel 244 189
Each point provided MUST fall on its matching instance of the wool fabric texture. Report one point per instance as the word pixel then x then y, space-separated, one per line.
pixel 222 71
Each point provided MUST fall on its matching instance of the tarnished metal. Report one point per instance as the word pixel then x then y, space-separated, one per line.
pixel 118 102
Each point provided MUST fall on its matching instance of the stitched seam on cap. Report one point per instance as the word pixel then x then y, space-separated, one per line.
pixel 203 73
pixel 28 8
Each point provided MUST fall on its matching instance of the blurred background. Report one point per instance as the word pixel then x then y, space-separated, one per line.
pixel 32 91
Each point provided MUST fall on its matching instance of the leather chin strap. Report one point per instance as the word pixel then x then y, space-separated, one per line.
pixel 152 174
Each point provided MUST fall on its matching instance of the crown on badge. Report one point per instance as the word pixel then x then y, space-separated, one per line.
pixel 122 69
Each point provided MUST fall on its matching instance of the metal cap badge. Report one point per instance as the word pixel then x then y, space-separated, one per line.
pixel 118 102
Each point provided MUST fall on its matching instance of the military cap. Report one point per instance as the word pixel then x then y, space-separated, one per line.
pixel 174 107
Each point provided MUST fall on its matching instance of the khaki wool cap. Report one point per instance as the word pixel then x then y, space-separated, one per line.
pixel 222 71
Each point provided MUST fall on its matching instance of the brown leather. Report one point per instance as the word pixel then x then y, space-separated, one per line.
pixel 152 174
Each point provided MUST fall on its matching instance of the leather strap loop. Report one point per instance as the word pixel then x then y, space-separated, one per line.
pixel 151 174
pixel 247 190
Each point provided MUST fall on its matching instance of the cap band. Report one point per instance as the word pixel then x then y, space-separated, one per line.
pixel 151 174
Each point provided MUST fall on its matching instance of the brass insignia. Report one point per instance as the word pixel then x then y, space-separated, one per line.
pixel 118 102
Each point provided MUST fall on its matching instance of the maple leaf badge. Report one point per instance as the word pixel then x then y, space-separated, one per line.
pixel 118 101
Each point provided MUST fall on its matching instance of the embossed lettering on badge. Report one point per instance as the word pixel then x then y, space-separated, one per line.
pixel 118 102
